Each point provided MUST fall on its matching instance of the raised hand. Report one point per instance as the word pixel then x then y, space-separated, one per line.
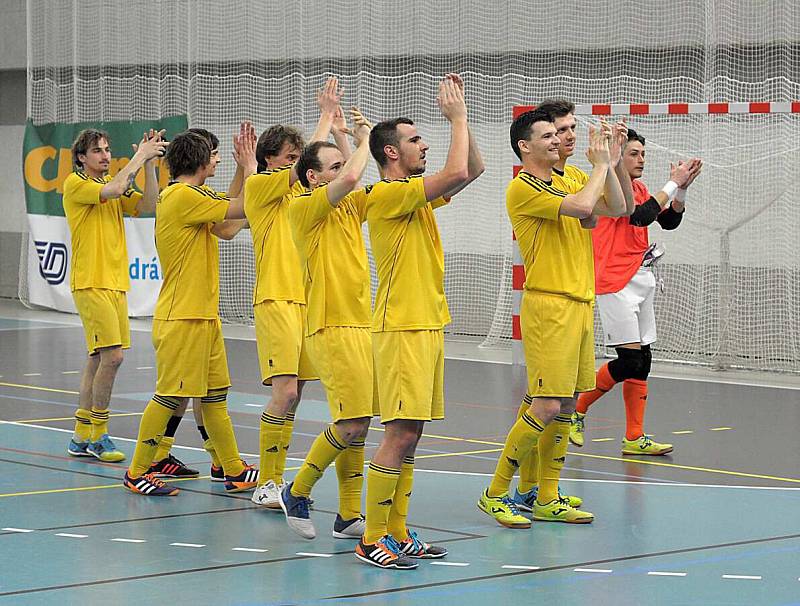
pixel 340 122
pixel 451 100
pixel 244 147
pixel 329 96
pixel 457 80
pixel 680 173
pixel 361 126
pixel 695 168
pixel 618 141
pixel 598 152
pixel 152 145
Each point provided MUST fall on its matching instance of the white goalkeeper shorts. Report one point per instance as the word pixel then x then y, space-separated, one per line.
pixel 628 316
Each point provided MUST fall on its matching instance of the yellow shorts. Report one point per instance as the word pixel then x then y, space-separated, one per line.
pixel 280 326
pixel 104 314
pixel 190 357
pixel 409 369
pixel 558 338
pixel 343 358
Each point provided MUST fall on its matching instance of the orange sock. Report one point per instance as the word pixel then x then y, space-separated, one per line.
pixel 604 382
pixel 634 392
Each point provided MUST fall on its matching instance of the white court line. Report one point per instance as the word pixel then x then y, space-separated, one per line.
pixel 603 570
pixel 720 428
pixel 72 536
pixel 255 405
pixel 723 382
pixel 195 545
pixel 32 374
pixel 70 372
pixel 450 564
pixel 683 431
pixel 603 439
pixel 144 368
pixel 745 577
pixel 314 555
pixel 250 549
pixel 657 573
pixel 121 540
pixel 9 529
pixel 463 473
pixel 514 567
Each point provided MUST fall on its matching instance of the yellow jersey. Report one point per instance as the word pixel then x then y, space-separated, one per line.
pixel 99 252
pixel 556 250
pixel 279 275
pixel 408 256
pixel 572 172
pixel 188 251
pixel 332 252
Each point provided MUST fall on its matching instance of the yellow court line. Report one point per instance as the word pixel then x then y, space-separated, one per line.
pixel 116 414
pixel 456 454
pixel 38 388
pixel 81 488
pixel 740 474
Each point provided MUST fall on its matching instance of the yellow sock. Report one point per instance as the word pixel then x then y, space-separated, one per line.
pixel 529 466
pixel 220 429
pixel 162 452
pixel 209 446
pixel 151 430
pixel 381 484
pixel 521 439
pixel 553 452
pixel 350 472
pixel 269 441
pixel 286 439
pixel 83 425
pixel 99 421
pixel 396 524
pixel 327 446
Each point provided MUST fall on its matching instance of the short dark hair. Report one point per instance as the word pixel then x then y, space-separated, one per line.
pixel 634 136
pixel 271 141
pixel 309 159
pixel 557 108
pixel 85 139
pixel 187 153
pixel 383 134
pixel 212 139
pixel 521 127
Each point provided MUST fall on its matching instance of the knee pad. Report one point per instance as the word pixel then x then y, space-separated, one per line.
pixel 647 360
pixel 629 364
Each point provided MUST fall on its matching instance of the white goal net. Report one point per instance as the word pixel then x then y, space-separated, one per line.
pixel 732 268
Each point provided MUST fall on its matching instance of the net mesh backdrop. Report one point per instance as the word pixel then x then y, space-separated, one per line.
pixel 731 270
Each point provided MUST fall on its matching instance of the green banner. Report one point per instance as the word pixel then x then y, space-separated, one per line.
pixel 47 159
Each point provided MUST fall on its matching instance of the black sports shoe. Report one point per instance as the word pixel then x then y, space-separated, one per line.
pixel 384 553
pixel 414 548
pixel 171 467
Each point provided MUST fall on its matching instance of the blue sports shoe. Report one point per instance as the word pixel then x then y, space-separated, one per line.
pixel 525 500
pixel 296 510
pixel 78 449
pixel 105 450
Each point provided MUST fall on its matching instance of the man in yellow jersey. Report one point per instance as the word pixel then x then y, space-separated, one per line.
pixel 187 333
pixel 278 295
pixel 94 203
pixel 409 315
pixel 563 113
pixel 551 219
pixel 326 225
pixel 165 464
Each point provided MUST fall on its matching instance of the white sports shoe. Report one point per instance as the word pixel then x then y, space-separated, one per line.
pixel 349 529
pixel 267 496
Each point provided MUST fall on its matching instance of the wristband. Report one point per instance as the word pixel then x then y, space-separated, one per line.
pixel 670 187
pixel 680 195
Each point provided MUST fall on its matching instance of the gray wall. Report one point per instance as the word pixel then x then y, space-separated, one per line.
pixel 13 223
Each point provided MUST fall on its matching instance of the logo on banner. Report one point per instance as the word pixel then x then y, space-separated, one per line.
pixel 52 261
